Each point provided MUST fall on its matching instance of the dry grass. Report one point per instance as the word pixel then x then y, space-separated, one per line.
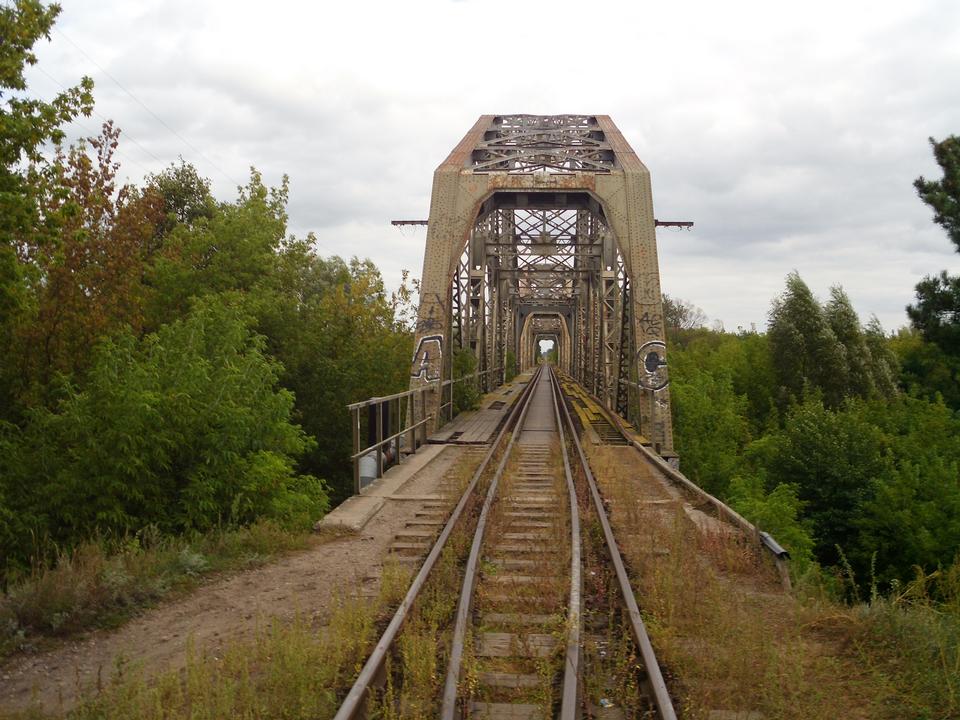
pixel 726 635
pixel 285 670
pixel 102 584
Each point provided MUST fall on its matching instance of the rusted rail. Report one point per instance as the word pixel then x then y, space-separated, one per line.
pixel 353 706
pixel 658 687
pixel 570 705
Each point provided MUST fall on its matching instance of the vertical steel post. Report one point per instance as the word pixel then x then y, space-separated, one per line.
pixel 379 421
pixel 355 413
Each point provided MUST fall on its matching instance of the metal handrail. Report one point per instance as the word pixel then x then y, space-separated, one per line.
pixel 412 429
pixel 387 440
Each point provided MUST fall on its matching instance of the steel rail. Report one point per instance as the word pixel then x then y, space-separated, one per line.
pixel 353 704
pixel 660 695
pixel 449 706
pixel 570 697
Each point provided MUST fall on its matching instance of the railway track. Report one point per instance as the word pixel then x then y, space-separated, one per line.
pixel 519 649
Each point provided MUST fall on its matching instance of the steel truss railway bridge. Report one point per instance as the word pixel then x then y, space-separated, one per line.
pixel 540 228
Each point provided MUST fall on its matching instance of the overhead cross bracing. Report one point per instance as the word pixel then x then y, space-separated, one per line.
pixel 540 221
pixel 551 143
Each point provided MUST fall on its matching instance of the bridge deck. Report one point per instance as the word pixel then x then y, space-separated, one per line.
pixel 478 426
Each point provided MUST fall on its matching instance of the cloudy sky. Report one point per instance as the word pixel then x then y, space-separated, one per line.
pixel 790 133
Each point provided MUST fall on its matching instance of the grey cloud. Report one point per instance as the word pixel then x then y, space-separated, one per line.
pixel 791 143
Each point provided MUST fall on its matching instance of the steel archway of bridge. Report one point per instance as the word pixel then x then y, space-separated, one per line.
pixel 535 217
pixel 538 326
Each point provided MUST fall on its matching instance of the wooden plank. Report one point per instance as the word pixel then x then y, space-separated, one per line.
pixel 504 711
pixel 513 645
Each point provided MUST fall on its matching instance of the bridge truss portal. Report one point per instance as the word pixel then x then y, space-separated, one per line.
pixel 543 226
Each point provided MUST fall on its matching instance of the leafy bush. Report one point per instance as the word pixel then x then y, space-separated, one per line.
pixel 466 394
pixel 184 429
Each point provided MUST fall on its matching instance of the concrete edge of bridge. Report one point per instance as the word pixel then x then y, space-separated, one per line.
pixel 357 510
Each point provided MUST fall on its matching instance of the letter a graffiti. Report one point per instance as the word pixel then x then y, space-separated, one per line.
pixel 427 360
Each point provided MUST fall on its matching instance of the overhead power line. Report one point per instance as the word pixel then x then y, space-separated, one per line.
pixel 128 135
pixel 145 107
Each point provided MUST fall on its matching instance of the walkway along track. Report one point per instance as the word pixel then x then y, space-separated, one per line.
pixel 517 647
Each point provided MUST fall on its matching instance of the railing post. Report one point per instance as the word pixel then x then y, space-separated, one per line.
pixel 378 406
pixel 423 414
pixel 411 421
pixel 355 418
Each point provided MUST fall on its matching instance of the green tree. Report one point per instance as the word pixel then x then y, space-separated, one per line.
pixel 235 249
pixel 832 457
pixel 186 197
pixel 936 313
pixel 334 329
pixel 805 351
pixel 943 195
pixel 27 126
pixel 845 324
pixel 913 518
pixel 926 370
pixel 885 364
pixel 778 512
pixel 184 429
pixel 709 419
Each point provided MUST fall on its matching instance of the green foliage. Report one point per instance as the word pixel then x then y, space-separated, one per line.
pixel 710 423
pixel 937 312
pixel 913 519
pixel 186 197
pixel 234 250
pixel 832 458
pixel 806 352
pixel 511 366
pixel 872 471
pixel 332 326
pixel 943 196
pixel 926 370
pixel 466 394
pixel 777 512
pixel 183 429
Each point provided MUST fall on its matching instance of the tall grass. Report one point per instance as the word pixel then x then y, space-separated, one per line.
pixel 102 583
pixel 726 635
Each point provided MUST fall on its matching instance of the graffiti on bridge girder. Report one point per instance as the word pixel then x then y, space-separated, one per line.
pixel 652 357
pixel 651 324
pixel 428 359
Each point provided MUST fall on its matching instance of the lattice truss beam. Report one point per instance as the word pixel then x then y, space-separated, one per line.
pixel 536 143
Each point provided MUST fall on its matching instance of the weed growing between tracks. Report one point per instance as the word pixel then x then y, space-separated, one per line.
pixel 415 672
pixel 613 673
pixel 284 670
pixel 102 584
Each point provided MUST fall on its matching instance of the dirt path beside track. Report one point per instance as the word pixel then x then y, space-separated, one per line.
pixel 303 584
